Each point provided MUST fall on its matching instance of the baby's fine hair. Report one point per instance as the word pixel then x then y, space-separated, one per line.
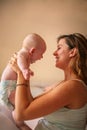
pixel 33 40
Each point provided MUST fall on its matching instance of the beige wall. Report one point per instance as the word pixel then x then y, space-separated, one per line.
pixel 49 18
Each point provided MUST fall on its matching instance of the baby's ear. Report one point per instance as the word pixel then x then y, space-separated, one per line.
pixel 32 50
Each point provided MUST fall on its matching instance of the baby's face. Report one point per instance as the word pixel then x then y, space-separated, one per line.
pixel 37 55
pixel 38 44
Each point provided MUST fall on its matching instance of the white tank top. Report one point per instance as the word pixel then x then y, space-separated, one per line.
pixel 65 119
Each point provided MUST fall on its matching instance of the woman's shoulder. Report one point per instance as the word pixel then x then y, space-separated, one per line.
pixel 78 92
pixel 73 83
pixel 75 87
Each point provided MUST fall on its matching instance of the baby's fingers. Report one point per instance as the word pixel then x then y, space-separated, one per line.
pixel 31 72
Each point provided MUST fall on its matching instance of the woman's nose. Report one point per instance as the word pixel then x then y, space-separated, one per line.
pixel 54 53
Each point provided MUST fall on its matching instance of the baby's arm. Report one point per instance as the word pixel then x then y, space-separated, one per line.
pixel 24 63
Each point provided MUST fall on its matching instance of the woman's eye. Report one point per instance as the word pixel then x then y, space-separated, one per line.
pixel 59 48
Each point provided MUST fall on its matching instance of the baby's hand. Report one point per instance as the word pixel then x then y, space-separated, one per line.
pixel 31 72
pixel 27 73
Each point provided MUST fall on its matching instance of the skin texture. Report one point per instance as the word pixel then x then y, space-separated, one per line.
pixel 70 93
pixel 33 48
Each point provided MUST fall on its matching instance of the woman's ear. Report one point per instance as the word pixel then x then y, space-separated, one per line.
pixel 73 52
pixel 32 50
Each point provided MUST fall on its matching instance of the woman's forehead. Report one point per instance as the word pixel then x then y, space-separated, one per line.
pixel 61 42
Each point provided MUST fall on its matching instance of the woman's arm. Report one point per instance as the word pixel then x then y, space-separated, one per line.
pixel 28 108
pixel 23 96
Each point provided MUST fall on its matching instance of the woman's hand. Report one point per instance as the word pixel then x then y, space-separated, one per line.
pixel 15 67
pixel 13 63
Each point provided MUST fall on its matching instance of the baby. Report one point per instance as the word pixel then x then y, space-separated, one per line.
pixel 32 49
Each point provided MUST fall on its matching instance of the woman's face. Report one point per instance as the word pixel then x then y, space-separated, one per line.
pixel 62 54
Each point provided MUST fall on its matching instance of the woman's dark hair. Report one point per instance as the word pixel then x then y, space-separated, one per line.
pixel 79 41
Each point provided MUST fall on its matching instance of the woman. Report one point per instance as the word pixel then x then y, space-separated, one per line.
pixel 64 107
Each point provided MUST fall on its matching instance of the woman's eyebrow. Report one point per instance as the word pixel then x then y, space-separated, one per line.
pixel 59 45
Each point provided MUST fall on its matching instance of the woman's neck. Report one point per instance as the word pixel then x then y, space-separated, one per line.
pixel 70 75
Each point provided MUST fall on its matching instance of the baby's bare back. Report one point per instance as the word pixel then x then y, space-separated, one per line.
pixel 8 74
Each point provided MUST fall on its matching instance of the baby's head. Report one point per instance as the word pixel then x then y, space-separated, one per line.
pixel 36 46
